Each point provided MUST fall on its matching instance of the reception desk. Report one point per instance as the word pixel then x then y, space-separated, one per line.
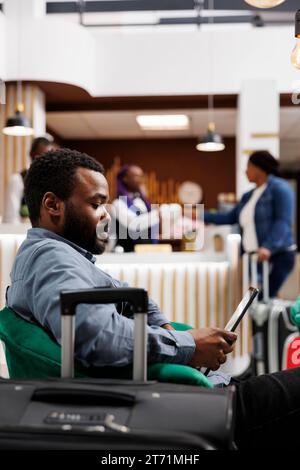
pixel 199 288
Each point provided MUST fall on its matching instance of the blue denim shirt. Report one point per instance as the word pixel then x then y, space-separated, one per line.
pixel 273 216
pixel 46 264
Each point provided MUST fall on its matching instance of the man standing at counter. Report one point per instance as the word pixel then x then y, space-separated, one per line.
pixel 132 207
pixel 66 193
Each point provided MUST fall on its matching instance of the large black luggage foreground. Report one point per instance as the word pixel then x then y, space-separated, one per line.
pixel 109 415
pixel 99 414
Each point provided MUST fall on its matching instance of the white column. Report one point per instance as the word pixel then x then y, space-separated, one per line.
pixel 257 125
pixel 24 8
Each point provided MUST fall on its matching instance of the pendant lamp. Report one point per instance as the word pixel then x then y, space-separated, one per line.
pixel 18 125
pixel 211 141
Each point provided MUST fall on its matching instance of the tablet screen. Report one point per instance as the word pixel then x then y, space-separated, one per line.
pixel 242 309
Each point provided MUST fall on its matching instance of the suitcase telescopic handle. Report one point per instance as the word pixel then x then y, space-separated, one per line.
pixel 254 274
pixel 138 298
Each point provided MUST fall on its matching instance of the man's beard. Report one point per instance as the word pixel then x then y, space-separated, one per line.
pixel 76 229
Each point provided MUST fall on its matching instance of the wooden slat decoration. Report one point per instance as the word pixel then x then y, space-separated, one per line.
pixel 207 298
pixel 197 298
pixel 162 290
pixel 14 139
pixel 15 150
pixel 174 297
pixel 8 139
pixel 158 192
pixel 186 297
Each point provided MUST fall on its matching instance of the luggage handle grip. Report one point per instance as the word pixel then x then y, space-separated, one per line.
pixel 265 274
pixel 102 295
pixel 137 297
pixel 82 396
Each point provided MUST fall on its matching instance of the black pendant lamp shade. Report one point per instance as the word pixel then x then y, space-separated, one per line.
pixel 211 141
pixel 18 124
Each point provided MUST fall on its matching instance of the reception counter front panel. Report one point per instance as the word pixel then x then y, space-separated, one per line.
pixel 190 292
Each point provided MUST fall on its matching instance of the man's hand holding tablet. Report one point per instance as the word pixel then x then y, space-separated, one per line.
pixel 213 344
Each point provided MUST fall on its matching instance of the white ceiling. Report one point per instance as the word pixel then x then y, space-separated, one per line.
pixel 152 17
pixel 122 124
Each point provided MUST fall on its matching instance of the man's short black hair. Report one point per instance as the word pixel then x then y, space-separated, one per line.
pixel 37 142
pixel 54 171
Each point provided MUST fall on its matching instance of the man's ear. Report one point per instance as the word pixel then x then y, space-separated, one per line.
pixel 53 205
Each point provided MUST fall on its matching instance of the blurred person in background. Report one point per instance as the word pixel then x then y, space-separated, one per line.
pixel 15 210
pixel 265 216
pixel 135 222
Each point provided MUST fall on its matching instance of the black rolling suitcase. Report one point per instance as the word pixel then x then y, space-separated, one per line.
pixel 103 414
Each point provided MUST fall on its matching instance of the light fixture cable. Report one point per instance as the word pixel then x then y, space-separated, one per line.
pixel 211 7
pixel 20 104
pixel 81 11
pixel 211 141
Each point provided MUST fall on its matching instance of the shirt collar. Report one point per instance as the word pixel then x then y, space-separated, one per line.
pixel 43 233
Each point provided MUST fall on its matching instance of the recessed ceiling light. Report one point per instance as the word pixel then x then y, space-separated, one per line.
pixel 163 122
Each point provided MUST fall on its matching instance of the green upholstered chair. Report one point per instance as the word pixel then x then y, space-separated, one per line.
pixel 31 353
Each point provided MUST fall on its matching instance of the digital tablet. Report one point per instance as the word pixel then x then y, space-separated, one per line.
pixel 240 312
pixel 241 309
